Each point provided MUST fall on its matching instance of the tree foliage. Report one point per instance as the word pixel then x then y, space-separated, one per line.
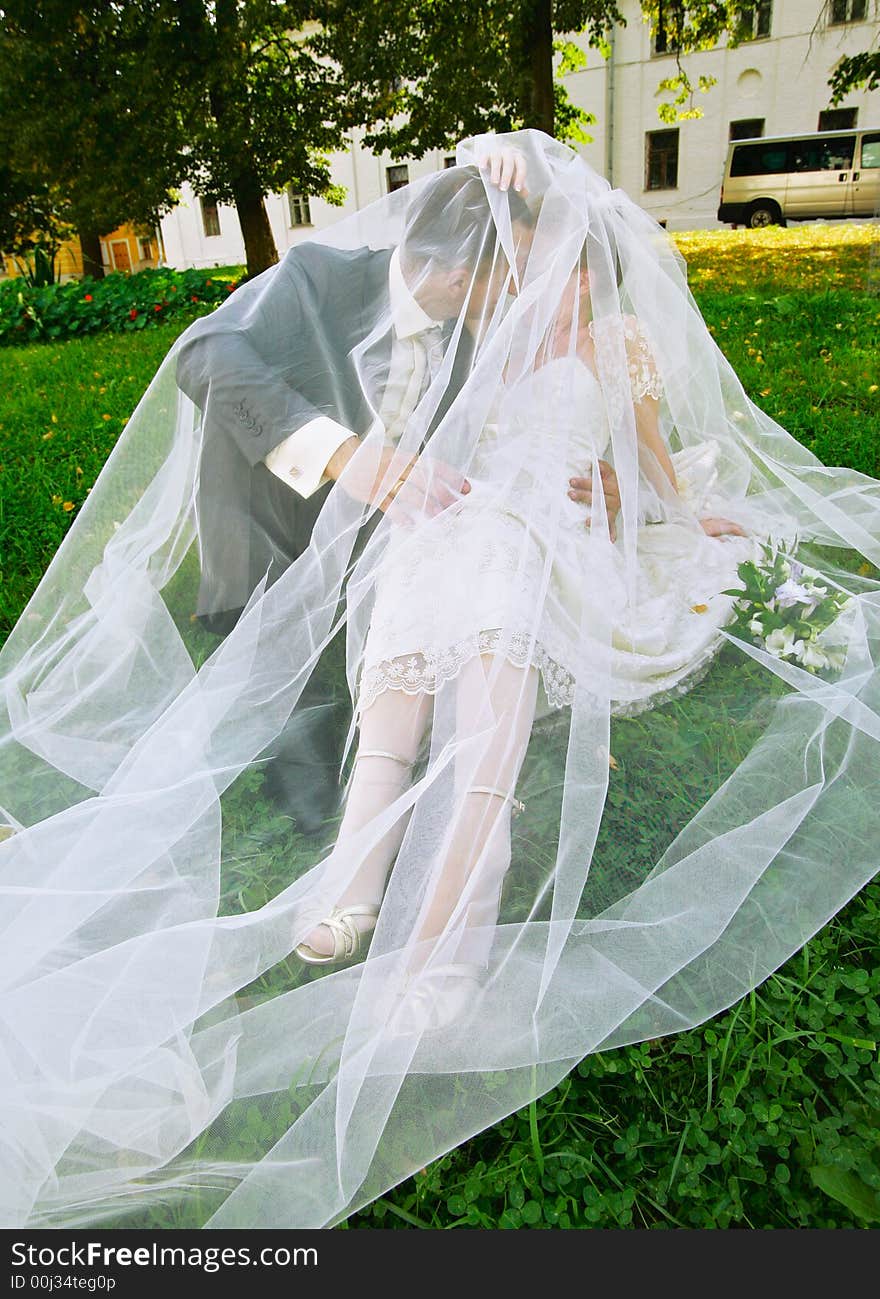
pixel 117 104
pixel 84 112
pixel 438 70
pixel 32 226
pixel 858 72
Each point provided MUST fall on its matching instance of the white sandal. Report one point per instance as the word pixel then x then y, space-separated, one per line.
pixel 434 998
pixel 347 936
pixel 490 789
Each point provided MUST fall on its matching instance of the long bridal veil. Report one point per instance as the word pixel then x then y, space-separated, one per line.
pixel 685 827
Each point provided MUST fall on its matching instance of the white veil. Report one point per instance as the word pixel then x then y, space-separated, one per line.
pixel 685 828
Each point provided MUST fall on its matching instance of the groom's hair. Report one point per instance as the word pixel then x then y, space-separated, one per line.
pixel 450 223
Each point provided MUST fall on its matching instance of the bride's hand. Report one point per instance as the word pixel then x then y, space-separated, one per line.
pixel 425 486
pixel 581 489
pixel 717 527
pixel 421 486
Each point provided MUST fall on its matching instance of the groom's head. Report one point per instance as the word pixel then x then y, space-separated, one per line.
pixel 451 252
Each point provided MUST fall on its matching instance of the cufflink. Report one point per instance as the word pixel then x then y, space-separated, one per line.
pixel 294 472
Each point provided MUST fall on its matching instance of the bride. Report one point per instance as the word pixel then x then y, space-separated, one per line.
pixel 612 767
pixel 480 558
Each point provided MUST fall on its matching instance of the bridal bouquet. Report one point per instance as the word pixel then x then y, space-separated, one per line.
pixel 785 613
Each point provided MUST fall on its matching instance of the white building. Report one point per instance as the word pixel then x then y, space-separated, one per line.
pixel 774 84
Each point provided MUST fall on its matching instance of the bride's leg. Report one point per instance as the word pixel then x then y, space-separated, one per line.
pixel 480 835
pixel 390 732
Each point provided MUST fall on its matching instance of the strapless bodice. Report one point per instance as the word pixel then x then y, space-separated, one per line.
pixel 558 408
pixel 544 429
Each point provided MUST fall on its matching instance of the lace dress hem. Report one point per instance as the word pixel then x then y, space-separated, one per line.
pixel 424 672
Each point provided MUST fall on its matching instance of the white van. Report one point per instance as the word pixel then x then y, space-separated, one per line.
pixel 828 174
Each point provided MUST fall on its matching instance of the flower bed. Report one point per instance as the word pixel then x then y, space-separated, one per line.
pixel 115 304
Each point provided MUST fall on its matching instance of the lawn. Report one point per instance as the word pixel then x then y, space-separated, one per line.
pixel 767 1116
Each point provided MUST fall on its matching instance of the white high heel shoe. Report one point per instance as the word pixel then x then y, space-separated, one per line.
pixel 347 935
pixel 435 998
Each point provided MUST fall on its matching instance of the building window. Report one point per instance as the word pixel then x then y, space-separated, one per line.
pixel 300 211
pixel 848 11
pixel 449 161
pixel 661 159
pixel 662 41
pixel 837 119
pixel 755 21
pixel 210 215
pixel 747 128
pixel 145 250
pixel 397 177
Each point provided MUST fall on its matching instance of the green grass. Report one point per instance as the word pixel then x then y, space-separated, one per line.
pixel 767 1115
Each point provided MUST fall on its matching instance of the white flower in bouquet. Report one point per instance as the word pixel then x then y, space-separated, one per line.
pixel 780 641
pixel 791 592
pixel 786 610
pixel 836 656
pixel 814 656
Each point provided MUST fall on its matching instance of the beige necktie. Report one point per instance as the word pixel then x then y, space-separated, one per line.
pixel 427 357
pixel 432 341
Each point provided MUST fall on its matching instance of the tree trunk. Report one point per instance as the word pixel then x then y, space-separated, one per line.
pixel 90 246
pixel 538 105
pixel 259 244
pixel 224 94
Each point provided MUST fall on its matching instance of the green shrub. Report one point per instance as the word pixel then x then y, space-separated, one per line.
pixel 119 303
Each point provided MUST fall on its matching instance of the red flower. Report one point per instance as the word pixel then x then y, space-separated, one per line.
pixel 132 313
pixel 229 288
pixel 87 298
pixel 157 306
pixel 207 282
pixel 194 298
pixel 173 288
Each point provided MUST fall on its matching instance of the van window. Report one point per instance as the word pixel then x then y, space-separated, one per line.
pixel 871 150
pixel 823 155
pixel 759 159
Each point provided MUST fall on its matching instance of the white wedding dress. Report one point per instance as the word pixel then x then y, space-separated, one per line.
pixel 481 566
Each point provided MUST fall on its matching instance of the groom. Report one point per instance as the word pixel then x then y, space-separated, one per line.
pixel 284 410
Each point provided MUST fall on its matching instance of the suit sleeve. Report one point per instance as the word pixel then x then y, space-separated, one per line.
pixel 234 371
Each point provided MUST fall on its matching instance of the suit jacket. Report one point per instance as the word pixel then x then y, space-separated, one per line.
pixel 256 379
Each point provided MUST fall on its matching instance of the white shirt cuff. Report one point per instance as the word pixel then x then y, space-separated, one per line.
pixel 301 459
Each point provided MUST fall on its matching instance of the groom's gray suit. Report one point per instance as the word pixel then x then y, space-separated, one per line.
pixel 258 380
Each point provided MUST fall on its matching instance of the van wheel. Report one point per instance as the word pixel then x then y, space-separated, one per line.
pixel 765 213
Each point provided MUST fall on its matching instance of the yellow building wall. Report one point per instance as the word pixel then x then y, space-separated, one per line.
pixel 121 250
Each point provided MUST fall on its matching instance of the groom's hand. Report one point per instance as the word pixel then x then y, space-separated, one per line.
pixel 581 489
pixel 415 486
pixel 505 165
pixel 424 487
